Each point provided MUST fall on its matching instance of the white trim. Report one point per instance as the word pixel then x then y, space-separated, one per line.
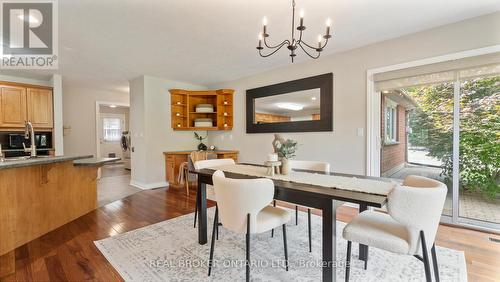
pixel 456 149
pixel 373 104
pixel 148 186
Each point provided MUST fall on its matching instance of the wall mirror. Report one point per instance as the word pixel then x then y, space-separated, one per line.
pixel 303 105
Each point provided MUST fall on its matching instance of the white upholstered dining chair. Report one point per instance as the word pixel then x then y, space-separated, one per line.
pixel 410 227
pixel 306 165
pixel 201 164
pixel 243 207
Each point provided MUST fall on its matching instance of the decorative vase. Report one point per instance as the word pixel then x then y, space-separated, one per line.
pixel 202 147
pixel 285 166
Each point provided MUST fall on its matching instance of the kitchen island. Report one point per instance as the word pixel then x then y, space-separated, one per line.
pixel 38 195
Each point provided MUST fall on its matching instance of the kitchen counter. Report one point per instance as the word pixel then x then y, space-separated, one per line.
pixel 41 160
pixel 94 161
pixel 41 194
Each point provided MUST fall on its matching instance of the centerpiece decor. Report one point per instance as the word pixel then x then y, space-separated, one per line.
pixel 201 146
pixel 286 151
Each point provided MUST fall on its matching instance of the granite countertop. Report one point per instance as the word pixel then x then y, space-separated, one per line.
pixel 41 160
pixel 187 152
pixel 94 161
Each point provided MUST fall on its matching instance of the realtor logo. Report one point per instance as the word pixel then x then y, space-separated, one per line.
pixel 29 34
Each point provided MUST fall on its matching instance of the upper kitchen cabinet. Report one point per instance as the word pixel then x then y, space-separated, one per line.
pixel 12 106
pixel 40 107
pixel 19 104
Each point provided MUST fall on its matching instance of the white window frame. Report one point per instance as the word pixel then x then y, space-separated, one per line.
pixel 119 117
pixel 391 111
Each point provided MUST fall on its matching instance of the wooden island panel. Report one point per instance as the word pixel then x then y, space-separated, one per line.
pixel 37 199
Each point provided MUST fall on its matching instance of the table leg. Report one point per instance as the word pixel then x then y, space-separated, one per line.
pixel 329 241
pixel 363 249
pixel 202 212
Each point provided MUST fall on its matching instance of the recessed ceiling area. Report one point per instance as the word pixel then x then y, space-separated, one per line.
pixel 203 42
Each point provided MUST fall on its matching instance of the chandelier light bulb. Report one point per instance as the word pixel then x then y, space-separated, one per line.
pixel 259 36
pixel 320 38
pixel 264 21
pixel 328 22
pixel 301 13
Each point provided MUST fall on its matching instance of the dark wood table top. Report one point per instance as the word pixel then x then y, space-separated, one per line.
pixel 318 191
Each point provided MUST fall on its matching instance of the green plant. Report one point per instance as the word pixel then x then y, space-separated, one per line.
pixel 287 148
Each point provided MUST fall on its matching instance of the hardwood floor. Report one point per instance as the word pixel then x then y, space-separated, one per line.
pixel 69 254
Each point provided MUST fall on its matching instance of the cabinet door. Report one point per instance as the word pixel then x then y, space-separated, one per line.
pixel 12 106
pixel 170 169
pixel 40 107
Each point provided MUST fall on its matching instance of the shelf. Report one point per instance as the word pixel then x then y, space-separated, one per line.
pixel 192 128
pixel 202 113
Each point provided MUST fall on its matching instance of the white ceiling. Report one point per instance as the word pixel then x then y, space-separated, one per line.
pixel 108 42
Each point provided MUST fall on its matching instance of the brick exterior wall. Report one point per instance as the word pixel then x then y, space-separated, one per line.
pixel 395 154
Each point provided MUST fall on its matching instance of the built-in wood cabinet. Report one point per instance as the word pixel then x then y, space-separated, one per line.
pixel 184 113
pixel 40 107
pixel 173 160
pixel 19 104
pixel 12 106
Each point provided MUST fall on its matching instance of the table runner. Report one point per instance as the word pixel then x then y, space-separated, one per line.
pixel 330 181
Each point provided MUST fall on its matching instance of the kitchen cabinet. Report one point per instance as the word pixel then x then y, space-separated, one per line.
pixel 19 104
pixel 40 107
pixel 12 106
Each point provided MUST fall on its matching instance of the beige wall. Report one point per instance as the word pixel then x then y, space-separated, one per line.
pixel 344 148
pixel 79 113
pixel 151 130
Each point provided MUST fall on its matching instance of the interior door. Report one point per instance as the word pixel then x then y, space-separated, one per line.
pixel 40 107
pixel 110 131
pixel 12 106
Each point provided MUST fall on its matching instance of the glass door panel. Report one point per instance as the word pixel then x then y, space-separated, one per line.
pixel 423 143
pixel 479 149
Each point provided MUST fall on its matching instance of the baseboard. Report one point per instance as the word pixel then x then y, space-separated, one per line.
pixel 148 186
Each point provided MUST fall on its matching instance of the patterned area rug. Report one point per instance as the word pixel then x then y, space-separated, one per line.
pixel 168 251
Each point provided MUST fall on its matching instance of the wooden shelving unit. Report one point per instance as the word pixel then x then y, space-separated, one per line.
pixel 183 106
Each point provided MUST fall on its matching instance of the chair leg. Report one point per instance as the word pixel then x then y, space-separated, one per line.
pixel 296 215
pixel 248 249
pixel 285 246
pixel 425 257
pixel 217 229
pixel 309 227
pixel 186 181
pixel 195 211
pixel 348 261
pixel 212 244
pixel 272 230
pixel 435 262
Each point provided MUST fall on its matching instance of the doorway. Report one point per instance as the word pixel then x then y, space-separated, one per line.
pixel 443 125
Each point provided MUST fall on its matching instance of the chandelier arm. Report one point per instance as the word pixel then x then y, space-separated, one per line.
pixel 305 51
pixel 277 46
pixel 272 53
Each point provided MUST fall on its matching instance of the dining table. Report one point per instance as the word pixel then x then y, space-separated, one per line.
pixel 326 199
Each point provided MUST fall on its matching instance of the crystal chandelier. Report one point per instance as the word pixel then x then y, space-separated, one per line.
pixel 293 43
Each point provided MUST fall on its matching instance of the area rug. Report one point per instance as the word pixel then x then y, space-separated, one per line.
pixel 168 251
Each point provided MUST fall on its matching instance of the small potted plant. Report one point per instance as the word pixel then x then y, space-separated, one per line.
pixel 201 146
pixel 286 151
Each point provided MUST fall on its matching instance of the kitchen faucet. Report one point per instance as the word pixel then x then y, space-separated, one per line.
pixel 30 132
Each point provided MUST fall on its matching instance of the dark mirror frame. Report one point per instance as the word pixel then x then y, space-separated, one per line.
pixel 324 82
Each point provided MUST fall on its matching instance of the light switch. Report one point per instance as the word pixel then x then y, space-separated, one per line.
pixel 361 132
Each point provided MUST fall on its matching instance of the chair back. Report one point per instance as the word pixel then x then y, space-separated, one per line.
pixel 196 156
pixel 212 163
pixel 310 165
pixel 418 205
pixel 236 198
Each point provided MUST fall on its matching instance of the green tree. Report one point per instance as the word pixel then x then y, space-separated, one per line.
pixel 432 125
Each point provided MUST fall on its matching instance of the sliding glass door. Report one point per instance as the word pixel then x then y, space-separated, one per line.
pixel 446 126
pixel 479 150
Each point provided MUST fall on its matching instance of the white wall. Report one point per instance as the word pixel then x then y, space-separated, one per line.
pixel 79 115
pixel 150 126
pixel 343 148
